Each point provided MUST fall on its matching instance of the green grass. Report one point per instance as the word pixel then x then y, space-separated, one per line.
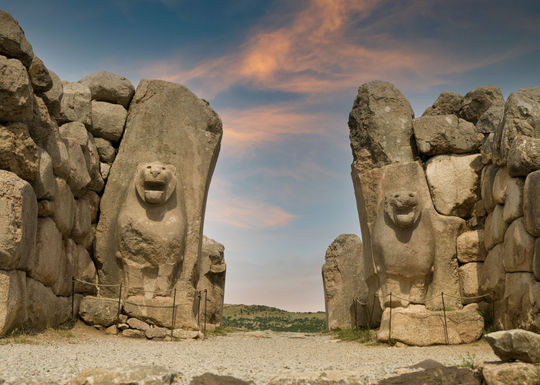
pixel 222 331
pixel 362 335
pixel 260 317
pixel 467 361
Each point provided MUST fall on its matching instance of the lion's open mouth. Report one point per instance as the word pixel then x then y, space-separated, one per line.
pixel 154 191
pixel 154 185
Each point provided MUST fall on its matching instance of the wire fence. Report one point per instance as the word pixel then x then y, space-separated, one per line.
pixel 357 303
pixel 126 290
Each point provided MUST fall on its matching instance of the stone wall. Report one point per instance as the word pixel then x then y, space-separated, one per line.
pixel 449 202
pixel 58 141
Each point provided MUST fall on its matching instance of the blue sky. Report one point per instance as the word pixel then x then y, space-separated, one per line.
pixel 283 76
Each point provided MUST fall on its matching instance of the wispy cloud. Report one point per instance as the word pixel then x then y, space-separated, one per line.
pixel 242 211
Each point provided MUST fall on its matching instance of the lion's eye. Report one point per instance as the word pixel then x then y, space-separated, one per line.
pixel 411 195
pixel 396 195
pixel 163 168
pixel 149 167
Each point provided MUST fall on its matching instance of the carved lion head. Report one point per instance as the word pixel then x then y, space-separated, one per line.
pixel 402 208
pixel 155 182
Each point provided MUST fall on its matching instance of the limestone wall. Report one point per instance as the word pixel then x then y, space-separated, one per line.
pixel 477 157
pixel 57 141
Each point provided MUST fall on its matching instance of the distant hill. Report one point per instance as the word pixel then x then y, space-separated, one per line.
pixel 260 317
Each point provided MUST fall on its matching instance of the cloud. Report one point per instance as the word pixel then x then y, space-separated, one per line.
pixel 243 212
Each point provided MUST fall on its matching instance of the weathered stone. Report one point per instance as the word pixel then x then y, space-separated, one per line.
pixel 156 332
pixel 212 279
pixel 45 309
pixel 18 221
pixel 134 323
pixel 505 373
pixel 79 177
pixel 133 333
pixel 157 310
pixel 75 131
pixel 513 201
pixel 327 377
pixel 380 126
pixel 478 101
pixel 524 155
pixel 108 120
pixel 44 184
pixel 515 344
pixel 495 227
pixel 486 188
pixel 109 87
pixel 18 152
pixel 469 276
pixel 105 149
pixel 536 259
pixel 499 185
pixel 105 169
pixel 39 75
pixel 42 127
pixel 12 299
pixel 445 134
pixel 50 257
pixel 53 97
pixel 82 223
pixel 446 103
pixel 13 43
pixel 15 91
pixel 133 375
pixel 75 104
pixel 45 208
pixel 417 326
pixel 531 203
pixel 492 275
pixel 91 155
pixel 440 375
pixel 85 271
pixel 518 248
pixel 112 330
pixel 521 117
pixel 59 156
pixel 92 199
pixel 486 150
pixel 520 307
pixel 186 334
pixel 98 310
pixel 490 120
pixel 453 181
pixel 186 134
pixel 470 246
pixel 343 282
pixel 64 207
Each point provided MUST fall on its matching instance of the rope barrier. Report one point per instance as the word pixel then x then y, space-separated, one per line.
pixel 96 284
pixel 153 306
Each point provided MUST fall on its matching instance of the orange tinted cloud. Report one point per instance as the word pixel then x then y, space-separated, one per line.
pixel 244 212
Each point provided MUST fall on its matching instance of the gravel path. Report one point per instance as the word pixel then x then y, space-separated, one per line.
pixel 256 356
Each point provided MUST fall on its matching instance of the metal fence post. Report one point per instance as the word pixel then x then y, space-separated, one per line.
pixel 205 298
pixel 72 297
pixel 119 305
pixel 390 321
pixel 173 313
pixel 445 324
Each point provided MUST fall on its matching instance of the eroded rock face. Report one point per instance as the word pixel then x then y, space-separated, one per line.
pixel 503 373
pixel 186 149
pixel 18 152
pixel 75 104
pixel 531 203
pixel 446 103
pixel 515 344
pixel 212 279
pixel 524 155
pixel 12 300
pixel 150 375
pixel 13 43
pixel 478 101
pixel 109 87
pixel 108 120
pixel 15 91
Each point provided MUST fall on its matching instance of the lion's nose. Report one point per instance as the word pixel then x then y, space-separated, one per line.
pixel 155 172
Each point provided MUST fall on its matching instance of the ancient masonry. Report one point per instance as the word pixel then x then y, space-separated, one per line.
pixel 449 208
pixel 82 197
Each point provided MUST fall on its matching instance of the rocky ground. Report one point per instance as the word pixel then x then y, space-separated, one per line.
pixel 255 356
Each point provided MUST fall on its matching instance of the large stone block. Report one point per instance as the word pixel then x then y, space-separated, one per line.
pixel 108 120
pixel 212 279
pixel 150 375
pixel 44 308
pixel 74 131
pixel 93 164
pixel 79 177
pixel 64 207
pixel 513 201
pixel 380 126
pixel 492 274
pixel 18 221
pixel 520 307
pixel 13 43
pixel 18 152
pixel 524 155
pixel 39 76
pixel 105 149
pixel 177 156
pixel 82 223
pixel 109 87
pixel 536 259
pixel 499 185
pixel 521 116
pixel 415 325
pixel 98 310
pixel 158 310
pixel 515 344
pixel 44 184
pixel 504 373
pixel 469 277
pixel 495 228
pixel 12 300
pixel 486 188
pixel 50 258
pixel 75 104
pixel 53 96
pixel 470 246
pixel 490 119
pixel 478 101
pixel 445 134
pixel 453 181
pixel 15 91
pixel 518 248
pixel 85 271
pixel 446 103
pixel 531 203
